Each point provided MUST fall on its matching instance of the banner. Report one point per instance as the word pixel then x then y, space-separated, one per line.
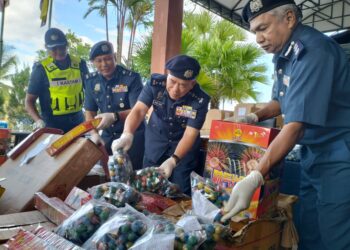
pixel 44 7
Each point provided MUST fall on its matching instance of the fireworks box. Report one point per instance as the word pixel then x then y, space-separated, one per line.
pixel 233 150
pixel 34 170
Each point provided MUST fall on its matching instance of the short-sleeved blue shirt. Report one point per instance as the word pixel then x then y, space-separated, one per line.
pixel 312 85
pixel 114 95
pixel 39 85
pixel 170 118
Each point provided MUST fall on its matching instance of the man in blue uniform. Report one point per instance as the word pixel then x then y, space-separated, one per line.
pixel 113 91
pixel 311 91
pixel 58 83
pixel 172 132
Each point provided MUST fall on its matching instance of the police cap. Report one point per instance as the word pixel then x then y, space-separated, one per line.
pixel 55 37
pixel 101 48
pixel 255 8
pixel 183 67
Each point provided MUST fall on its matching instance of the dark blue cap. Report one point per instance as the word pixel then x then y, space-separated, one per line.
pixel 55 37
pixel 101 48
pixel 183 67
pixel 255 8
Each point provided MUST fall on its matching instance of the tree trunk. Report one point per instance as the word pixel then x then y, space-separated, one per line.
pixel 214 103
pixel 121 34
pixel 106 15
pixel 131 45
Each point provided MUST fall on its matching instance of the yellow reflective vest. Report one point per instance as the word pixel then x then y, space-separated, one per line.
pixel 66 86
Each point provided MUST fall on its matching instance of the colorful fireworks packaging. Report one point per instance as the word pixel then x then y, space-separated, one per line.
pixel 150 180
pixel 115 193
pixel 207 198
pixel 120 167
pixel 120 232
pixel 84 222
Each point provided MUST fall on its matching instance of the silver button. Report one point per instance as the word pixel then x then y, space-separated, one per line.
pixel 170 133
pixel 112 125
pixel 280 71
pixel 281 93
pixel 121 99
pixel 109 106
pixel 108 96
pixel 283 115
pixel 171 124
pixel 170 140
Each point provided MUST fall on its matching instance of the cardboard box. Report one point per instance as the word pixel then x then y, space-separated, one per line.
pixel 53 208
pixel 54 176
pixel 256 235
pixel 242 109
pixel 233 150
pixel 10 224
pixel 214 114
pixel 239 132
pixel 279 122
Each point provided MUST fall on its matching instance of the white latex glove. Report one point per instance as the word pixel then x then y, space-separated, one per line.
pixel 250 118
pixel 39 124
pixel 242 194
pixel 124 142
pixel 97 139
pixel 107 120
pixel 167 167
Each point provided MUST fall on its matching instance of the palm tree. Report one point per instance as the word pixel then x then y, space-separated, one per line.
pixel 101 7
pixel 229 67
pixel 8 62
pixel 139 13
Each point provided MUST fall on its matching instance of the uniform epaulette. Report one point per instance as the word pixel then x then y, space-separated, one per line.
pixel 91 75
pixel 158 79
pixel 125 71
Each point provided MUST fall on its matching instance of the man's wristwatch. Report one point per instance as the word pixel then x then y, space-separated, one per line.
pixel 176 158
pixel 116 116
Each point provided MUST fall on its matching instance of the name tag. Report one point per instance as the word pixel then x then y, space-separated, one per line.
pixel 157 103
pixel 186 111
pixel 286 80
pixel 120 88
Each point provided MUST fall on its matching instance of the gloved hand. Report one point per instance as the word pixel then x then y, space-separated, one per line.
pixel 39 124
pixel 242 194
pixel 107 120
pixel 124 142
pixel 167 167
pixel 250 118
pixel 97 139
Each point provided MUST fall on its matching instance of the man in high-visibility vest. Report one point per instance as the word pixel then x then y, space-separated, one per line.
pixel 58 83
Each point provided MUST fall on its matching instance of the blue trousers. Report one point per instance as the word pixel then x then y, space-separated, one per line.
pixel 64 122
pixel 182 173
pixel 325 196
pixel 135 152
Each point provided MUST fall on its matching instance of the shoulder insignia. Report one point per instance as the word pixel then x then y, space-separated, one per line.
pixel 298 48
pixel 158 80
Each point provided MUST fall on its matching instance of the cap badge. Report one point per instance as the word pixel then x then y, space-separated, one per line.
pixel 188 73
pixel 255 5
pixel 105 48
pixel 54 37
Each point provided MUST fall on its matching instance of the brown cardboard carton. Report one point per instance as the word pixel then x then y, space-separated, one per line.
pixel 256 235
pixel 214 114
pixel 54 176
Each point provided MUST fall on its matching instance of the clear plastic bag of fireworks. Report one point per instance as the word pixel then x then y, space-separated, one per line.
pixel 160 236
pixel 216 233
pixel 207 198
pixel 84 222
pixel 115 193
pixel 121 231
pixel 150 180
pixel 189 240
pixel 120 167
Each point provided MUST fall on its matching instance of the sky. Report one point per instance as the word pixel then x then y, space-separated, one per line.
pixel 22 31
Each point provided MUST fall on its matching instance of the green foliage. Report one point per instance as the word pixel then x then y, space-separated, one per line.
pixel 76 47
pixel 229 64
pixel 9 61
pixel 15 108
